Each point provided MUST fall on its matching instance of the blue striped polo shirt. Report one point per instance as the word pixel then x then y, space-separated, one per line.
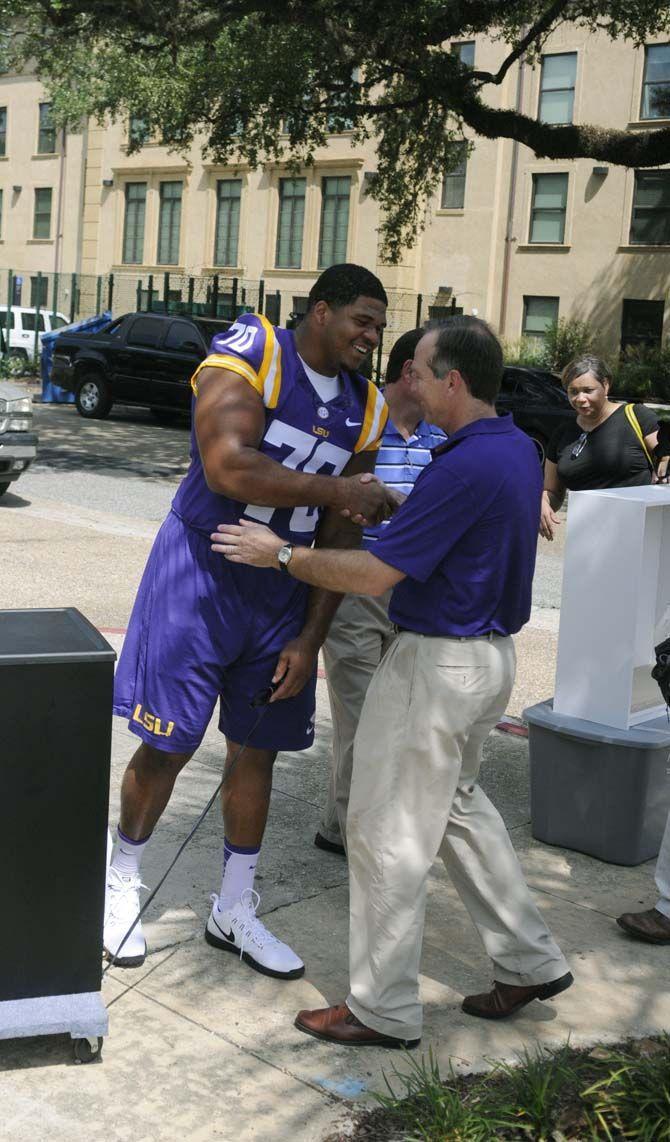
pixel 399 463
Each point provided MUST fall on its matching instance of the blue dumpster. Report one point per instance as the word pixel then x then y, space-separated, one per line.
pixel 54 394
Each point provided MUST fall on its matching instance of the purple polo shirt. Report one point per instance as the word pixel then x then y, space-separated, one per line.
pixel 466 537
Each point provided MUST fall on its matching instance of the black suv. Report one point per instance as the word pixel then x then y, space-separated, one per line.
pixel 138 359
pixel 537 402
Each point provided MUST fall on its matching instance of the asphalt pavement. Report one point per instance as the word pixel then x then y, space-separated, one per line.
pixel 205 1049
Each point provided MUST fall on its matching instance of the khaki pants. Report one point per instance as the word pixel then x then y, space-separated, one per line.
pixel 359 636
pixel 663 873
pixel 428 711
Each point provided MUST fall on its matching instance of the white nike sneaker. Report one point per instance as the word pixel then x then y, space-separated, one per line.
pixel 238 929
pixel 122 905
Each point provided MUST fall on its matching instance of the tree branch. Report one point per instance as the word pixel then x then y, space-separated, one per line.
pixel 539 28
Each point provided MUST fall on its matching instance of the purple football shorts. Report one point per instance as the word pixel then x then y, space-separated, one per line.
pixel 202 629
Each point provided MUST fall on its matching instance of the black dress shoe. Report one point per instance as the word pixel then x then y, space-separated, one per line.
pixel 329 846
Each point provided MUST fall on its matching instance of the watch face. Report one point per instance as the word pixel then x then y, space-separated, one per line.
pixel 284 554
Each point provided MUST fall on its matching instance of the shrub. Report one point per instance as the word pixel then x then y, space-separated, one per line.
pixel 526 351
pixel 643 373
pixel 565 339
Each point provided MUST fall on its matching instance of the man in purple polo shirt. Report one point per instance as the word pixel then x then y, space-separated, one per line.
pixel 460 554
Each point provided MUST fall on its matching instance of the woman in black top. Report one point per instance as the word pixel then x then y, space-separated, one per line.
pixel 601 449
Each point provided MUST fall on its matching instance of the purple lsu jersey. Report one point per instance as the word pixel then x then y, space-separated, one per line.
pixel 301 431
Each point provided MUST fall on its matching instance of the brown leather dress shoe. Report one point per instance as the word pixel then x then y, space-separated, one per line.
pixel 651 926
pixel 506 998
pixel 339 1025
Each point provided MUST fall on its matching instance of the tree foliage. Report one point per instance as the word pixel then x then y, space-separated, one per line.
pixel 237 72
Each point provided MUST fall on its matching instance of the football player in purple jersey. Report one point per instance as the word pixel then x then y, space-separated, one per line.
pixel 284 426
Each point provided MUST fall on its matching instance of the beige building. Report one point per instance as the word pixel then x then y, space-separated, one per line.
pixel 517 239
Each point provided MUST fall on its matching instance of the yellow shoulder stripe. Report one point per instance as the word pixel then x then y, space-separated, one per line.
pixel 374 421
pixel 234 365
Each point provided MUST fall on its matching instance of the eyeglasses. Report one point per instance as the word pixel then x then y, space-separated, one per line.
pixel 579 446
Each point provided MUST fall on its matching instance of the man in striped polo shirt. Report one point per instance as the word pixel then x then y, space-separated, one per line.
pixel 361 633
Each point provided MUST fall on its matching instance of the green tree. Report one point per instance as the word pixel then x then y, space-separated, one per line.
pixel 237 71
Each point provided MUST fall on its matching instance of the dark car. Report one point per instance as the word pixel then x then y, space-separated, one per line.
pixel 537 402
pixel 138 359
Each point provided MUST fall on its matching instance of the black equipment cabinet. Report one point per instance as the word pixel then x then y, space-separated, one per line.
pixel 56 676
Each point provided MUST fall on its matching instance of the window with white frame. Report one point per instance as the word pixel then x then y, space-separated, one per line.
pixel 557 88
pixel 335 195
pixel 465 50
pixel 290 223
pixel 550 197
pixel 169 223
pixel 655 102
pixel 42 215
pixel 453 182
pixel 226 238
pixel 133 223
pixel 3 131
pixel 138 130
pixel 650 222
pixel 46 136
pixel 538 314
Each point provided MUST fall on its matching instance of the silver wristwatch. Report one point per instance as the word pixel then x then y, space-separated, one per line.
pixel 284 556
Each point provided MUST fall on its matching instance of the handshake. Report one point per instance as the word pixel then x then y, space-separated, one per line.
pixel 366 500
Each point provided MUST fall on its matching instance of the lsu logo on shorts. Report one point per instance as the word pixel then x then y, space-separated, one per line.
pixel 152 723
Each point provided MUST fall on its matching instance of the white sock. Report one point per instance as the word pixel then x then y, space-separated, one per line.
pixel 239 869
pixel 128 854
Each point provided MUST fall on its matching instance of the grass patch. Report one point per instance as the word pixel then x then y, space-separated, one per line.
pixel 558 1095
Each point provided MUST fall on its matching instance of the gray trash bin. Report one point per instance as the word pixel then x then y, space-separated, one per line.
pixel 596 789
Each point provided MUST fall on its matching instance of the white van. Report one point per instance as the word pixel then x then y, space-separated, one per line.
pixel 22 327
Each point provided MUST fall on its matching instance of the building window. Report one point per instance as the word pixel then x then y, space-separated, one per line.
pixel 557 88
pixel 46 138
pixel 335 193
pixel 133 223
pixel 3 130
pixel 290 226
pixel 39 291
pixel 656 82
pixel 169 223
pixel 453 183
pixel 650 224
pixel 538 314
pixel 228 197
pixel 465 52
pixel 550 196
pixel 138 130
pixel 42 218
pixel 642 323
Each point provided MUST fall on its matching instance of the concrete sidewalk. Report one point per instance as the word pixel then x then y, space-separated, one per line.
pixel 201 1047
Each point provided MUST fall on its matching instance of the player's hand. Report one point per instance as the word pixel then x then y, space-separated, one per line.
pixel 294 667
pixel 367 500
pixel 662 474
pixel 247 542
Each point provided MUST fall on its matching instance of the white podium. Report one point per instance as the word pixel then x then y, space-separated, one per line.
pixel 599 778
pixel 615 605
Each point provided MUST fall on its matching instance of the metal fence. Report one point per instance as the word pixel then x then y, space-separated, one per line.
pixel 73 297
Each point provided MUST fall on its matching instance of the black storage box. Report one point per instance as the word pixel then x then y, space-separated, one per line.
pixel 56 676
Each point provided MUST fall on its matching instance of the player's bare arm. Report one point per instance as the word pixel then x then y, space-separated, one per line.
pixel 229 425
